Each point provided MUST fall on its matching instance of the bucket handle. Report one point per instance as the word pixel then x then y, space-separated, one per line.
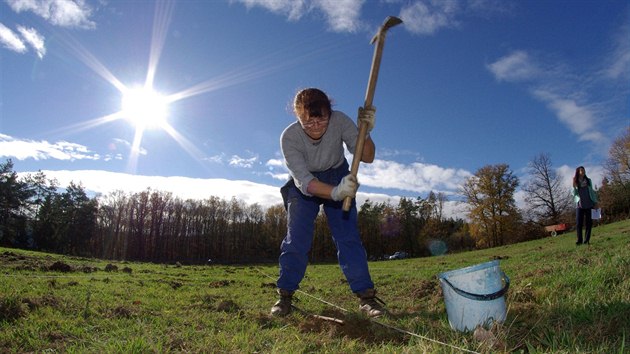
pixel 482 297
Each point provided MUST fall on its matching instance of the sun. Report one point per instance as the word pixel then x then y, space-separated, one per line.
pixel 145 108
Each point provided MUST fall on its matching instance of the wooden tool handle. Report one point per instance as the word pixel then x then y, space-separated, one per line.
pixel 354 169
pixel 379 38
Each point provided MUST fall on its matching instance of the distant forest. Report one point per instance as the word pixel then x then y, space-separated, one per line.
pixel 155 226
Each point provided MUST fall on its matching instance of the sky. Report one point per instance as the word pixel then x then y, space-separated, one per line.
pixel 462 84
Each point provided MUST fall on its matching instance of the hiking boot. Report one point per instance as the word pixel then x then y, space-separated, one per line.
pixel 370 304
pixel 283 306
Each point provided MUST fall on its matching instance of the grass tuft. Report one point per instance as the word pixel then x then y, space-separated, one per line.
pixel 12 308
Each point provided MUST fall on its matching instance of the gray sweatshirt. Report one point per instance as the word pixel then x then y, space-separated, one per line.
pixel 303 155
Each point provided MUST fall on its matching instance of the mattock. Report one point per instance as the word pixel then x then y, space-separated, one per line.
pixel 379 38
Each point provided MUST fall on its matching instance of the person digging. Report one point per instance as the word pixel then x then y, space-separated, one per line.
pixel 313 152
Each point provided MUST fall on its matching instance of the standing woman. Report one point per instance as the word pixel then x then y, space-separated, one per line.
pixel 313 151
pixel 585 199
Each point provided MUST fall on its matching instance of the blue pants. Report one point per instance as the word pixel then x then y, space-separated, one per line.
pixel 301 214
pixel 584 219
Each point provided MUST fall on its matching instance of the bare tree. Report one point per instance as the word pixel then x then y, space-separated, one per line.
pixel 548 199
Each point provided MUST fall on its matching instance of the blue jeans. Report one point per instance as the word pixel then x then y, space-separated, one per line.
pixel 301 214
pixel 583 220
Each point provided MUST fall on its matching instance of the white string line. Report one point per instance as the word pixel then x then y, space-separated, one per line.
pixel 379 322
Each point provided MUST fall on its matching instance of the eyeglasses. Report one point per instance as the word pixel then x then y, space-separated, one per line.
pixel 315 120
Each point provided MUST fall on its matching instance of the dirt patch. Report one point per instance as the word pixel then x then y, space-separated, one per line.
pixel 538 273
pixel 55 336
pixel 354 326
pixel 20 262
pixel 264 321
pixel 489 339
pixel 425 288
pixel 123 312
pixel 44 300
pixel 583 261
pixel 175 284
pixel 60 266
pixel 221 283
pixel 524 294
pixel 9 256
pixel 13 308
pixel 88 269
pixel 228 306
pixel 527 313
pixel 111 268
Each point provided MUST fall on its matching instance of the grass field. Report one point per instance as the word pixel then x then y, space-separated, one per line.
pixel 562 299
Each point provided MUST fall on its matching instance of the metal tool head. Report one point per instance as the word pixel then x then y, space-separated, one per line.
pixel 390 21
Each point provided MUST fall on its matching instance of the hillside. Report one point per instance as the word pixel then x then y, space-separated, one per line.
pixel 562 298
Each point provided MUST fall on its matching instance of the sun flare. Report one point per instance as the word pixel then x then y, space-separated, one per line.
pixel 142 106
pixel 145 108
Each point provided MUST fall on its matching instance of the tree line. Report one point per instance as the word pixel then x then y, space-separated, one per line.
pixel 156 226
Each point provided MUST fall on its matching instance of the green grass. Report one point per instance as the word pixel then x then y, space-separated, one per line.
pixel 562 299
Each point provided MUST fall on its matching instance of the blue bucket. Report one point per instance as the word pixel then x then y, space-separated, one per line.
pixel 474 296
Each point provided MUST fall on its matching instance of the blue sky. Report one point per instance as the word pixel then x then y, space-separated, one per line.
pixel 463 84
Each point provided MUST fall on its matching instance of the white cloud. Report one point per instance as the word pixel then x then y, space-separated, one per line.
pixel 293 9
pixel 104 182
pixel 455 210
pixel 34 39
pixel 618 63
pixel 579 119
pixel 10 40
pixel 341 15
pixel 275 163
pixel 43 150
pixel 238 161
pixel 416 177
pixel 215 159
pixel 552 84
pixel 422 17
pixel 63 13
pixel 277 170
pixel 516 66
pixel 116 142
pixel 427 17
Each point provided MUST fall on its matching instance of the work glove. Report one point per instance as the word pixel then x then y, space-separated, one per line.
pixel 346 188
pixel 367 116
